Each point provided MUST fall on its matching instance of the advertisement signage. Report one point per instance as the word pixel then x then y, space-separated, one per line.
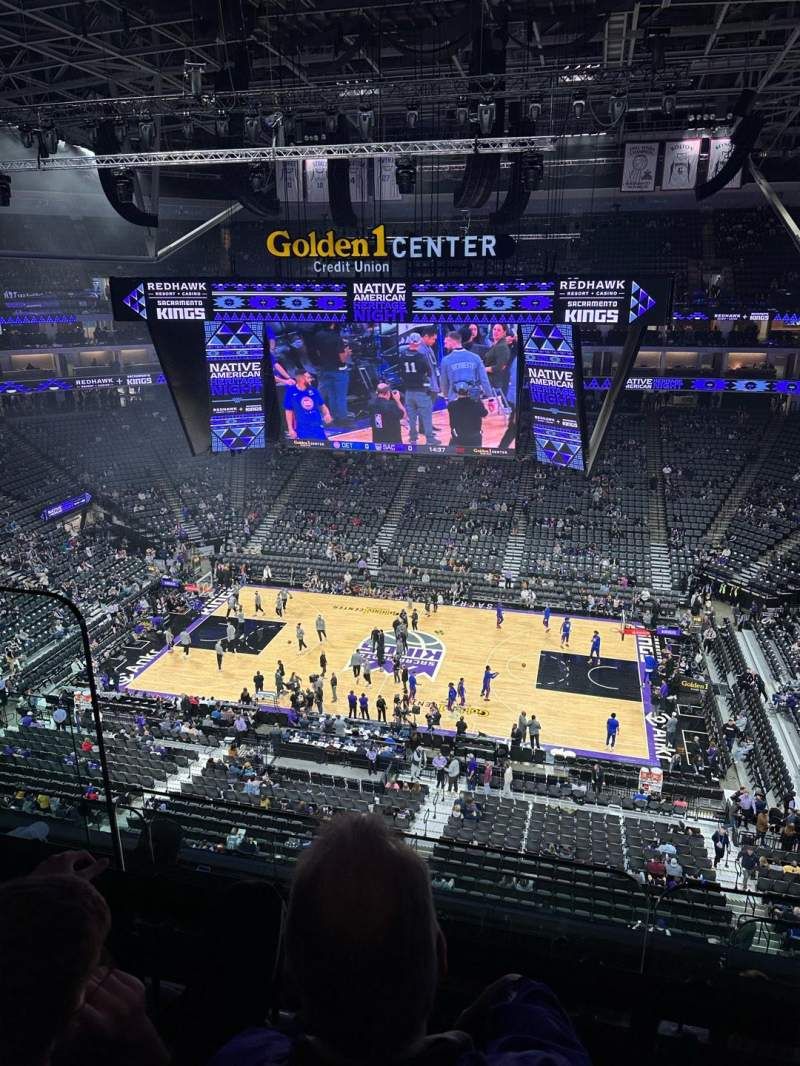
pixel 65 507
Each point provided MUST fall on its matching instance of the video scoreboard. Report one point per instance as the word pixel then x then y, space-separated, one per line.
pixel 389 366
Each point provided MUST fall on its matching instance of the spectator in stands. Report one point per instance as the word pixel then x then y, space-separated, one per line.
pixel 57 1003
pixel 356 864
pixel 722 844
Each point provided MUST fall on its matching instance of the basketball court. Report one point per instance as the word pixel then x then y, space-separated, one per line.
pixel 571 698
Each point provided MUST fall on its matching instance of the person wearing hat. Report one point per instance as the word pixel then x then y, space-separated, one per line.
pixel 466 418
pixel 385 413
pixel 414 369
pixel 306 411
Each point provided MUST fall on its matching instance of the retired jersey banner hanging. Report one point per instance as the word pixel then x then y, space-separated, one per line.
pixel 719 152
pixel 680 164
pixel 639 169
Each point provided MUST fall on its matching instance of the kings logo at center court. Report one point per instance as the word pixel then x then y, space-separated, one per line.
pixel 424 655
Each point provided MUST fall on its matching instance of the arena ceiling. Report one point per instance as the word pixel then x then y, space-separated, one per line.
pixel 178 74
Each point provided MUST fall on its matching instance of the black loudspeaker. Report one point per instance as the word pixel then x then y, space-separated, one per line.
pixel 743 141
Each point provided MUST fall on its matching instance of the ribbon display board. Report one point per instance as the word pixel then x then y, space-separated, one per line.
pixel 597 300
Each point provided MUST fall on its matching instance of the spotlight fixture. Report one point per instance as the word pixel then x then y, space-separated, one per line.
pixel 412 117
pixel 617 106
pixel 366 122
pixel 222 123
pixel 120 129
pixel 5 190
pixel 462 112
pixel 578 107
pixel 258 178
pixel 123 186
pixel 187 125
pixel 331 121
pixel 405 173
pixel 147 131
pixel 668 104
pixel 193 73
pixel 26 136
pixel 50 137
pixel 487 111
pixel 532 171
pixel 252 125
pixel 534 110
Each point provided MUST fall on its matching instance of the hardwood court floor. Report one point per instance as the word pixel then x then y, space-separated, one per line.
pixel 455 642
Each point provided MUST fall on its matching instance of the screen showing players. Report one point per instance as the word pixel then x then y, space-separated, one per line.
pixel 554 375
pixel 397 387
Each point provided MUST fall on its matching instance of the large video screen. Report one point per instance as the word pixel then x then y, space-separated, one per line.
pixel 397 387
pixel 554 377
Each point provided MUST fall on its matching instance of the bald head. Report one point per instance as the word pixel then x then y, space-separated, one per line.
pixel 361 923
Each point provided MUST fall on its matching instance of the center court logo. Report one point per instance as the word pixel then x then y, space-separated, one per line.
pixel 424 655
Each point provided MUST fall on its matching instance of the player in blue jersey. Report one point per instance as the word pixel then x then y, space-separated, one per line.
pixel 612 729
pixel 451 696
pixel 594 650
pixel 498 610
pixel 306 413
pixel 462 692
pixel 546 619
pixel 488 676
pixel 566 626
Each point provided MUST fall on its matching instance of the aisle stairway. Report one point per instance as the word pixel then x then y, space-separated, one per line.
pixel 170 493
pixel 515 545
pixel 660 565
pixel 388 531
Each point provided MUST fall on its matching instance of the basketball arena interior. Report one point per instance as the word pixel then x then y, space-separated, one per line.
pixel 399 532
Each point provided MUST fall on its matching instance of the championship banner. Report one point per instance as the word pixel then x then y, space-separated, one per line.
pixel 680 164
pixel 719 152
pixel 639 169
pixel 289 182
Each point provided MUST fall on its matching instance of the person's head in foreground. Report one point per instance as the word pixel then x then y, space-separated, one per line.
pixel 361 923
pixel 364 956
pixel 52 932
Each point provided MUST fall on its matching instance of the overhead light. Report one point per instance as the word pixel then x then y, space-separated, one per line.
pixel 50 137
pixel 532 171
pixel 222 123
pixel 147 131
pixel 578 107
pixel 123 186
pixel 252 125
pixel 405 173
pixel 668 104
pixel 331 122
pixel 487 112
pixel 120 129
pixel 5 190
pixel 462 112
pixel 26 136
pixel 535 110
pixel 193 73
pixel 412 117
pixel 258 178
pixel 187 125
pixel 617 106
pixel 366 122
